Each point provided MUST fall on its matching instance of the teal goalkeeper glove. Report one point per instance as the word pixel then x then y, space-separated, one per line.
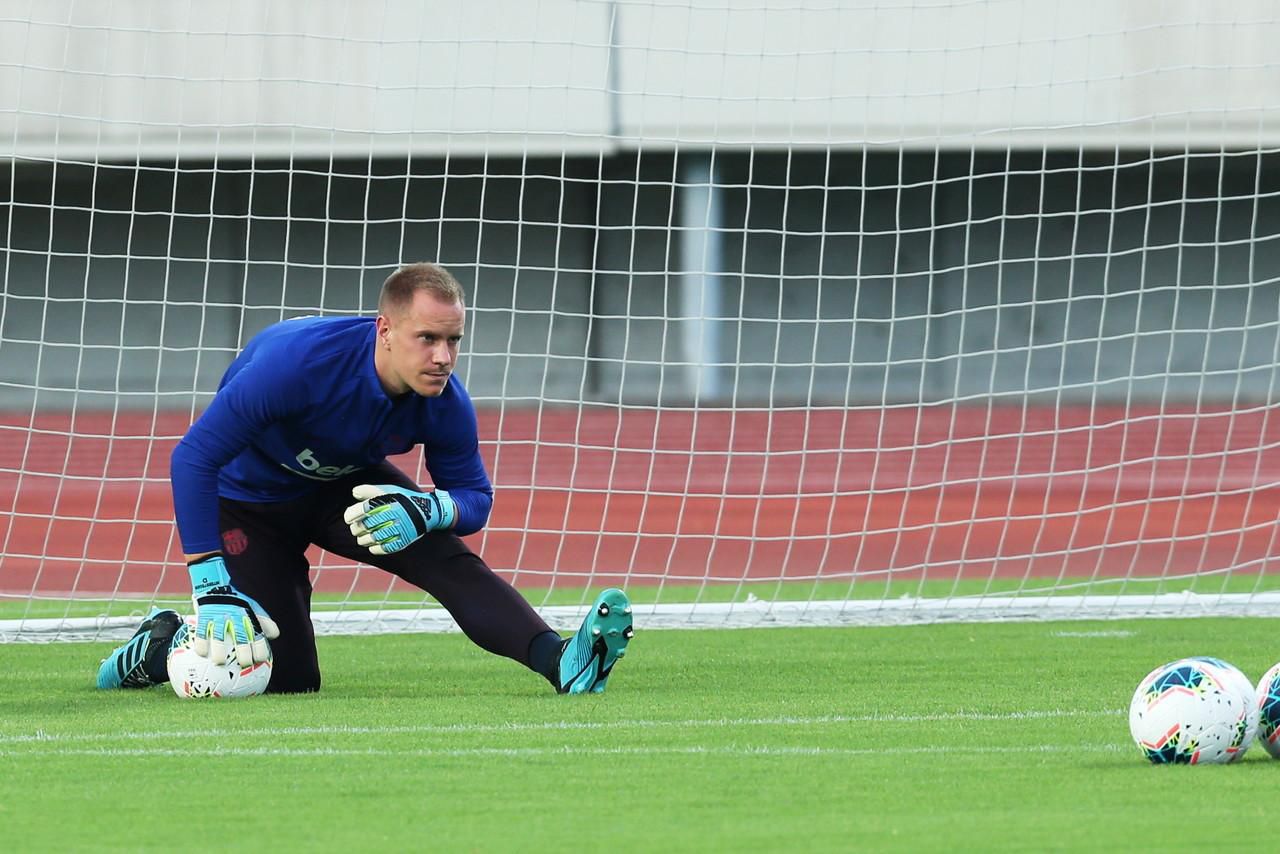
pixel 389 518
pixel 226 616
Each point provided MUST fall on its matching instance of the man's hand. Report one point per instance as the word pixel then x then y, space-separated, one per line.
pixel 389 518
pixel 225 616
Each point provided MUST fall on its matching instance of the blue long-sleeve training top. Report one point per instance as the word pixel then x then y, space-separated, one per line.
pixel 301 406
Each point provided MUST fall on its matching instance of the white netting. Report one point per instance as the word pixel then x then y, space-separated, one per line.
pixel 779 312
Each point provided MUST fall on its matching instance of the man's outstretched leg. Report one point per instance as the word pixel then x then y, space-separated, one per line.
pixel 143 660
pixel 498 619
pixel 489 610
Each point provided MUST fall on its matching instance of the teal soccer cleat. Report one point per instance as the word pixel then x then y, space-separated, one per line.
pixel 587 658
pixel 142 661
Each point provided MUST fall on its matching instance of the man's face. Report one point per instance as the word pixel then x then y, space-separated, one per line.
pixel 420 345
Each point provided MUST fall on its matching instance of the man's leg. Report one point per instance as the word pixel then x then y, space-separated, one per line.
pixel 264 546
pixel 489 611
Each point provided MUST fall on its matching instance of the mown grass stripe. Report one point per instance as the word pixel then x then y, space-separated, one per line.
pixel 574 750
pixel 549 726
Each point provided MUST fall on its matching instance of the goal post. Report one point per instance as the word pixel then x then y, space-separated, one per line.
pixel 778 313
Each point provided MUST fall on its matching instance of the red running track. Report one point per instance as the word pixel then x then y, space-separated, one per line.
pixel 603 494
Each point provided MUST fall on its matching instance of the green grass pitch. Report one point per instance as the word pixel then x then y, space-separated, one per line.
pixel 946 737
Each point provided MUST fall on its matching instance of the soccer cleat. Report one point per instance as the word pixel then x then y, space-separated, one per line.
pixel 587 658
pixel 140 663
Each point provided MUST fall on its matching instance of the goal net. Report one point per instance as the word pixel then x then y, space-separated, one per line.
pixel 778 312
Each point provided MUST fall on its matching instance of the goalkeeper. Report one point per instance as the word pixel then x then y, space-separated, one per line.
pixel 292 452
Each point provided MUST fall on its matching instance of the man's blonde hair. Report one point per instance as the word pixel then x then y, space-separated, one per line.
pixel 399 288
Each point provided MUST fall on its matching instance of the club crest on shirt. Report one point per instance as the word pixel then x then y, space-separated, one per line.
pixel 234 541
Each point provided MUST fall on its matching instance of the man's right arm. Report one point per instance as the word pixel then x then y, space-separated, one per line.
pixel 252 400
pixel 257 396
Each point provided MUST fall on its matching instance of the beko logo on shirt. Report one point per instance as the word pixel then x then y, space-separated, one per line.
pixel 307 459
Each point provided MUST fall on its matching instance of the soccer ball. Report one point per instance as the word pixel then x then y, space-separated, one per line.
pixel 193 676
pixel 1268 695
pixel 1192 711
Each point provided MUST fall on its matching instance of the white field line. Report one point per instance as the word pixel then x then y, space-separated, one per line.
pixel 550 726
pixel 567 750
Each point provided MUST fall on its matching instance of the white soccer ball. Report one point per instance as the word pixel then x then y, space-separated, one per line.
pixel 193 676
pixel 1192 711
pixel 1268 699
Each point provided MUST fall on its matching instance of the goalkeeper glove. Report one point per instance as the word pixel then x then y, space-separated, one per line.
pixel 389 518
pixel 225 616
